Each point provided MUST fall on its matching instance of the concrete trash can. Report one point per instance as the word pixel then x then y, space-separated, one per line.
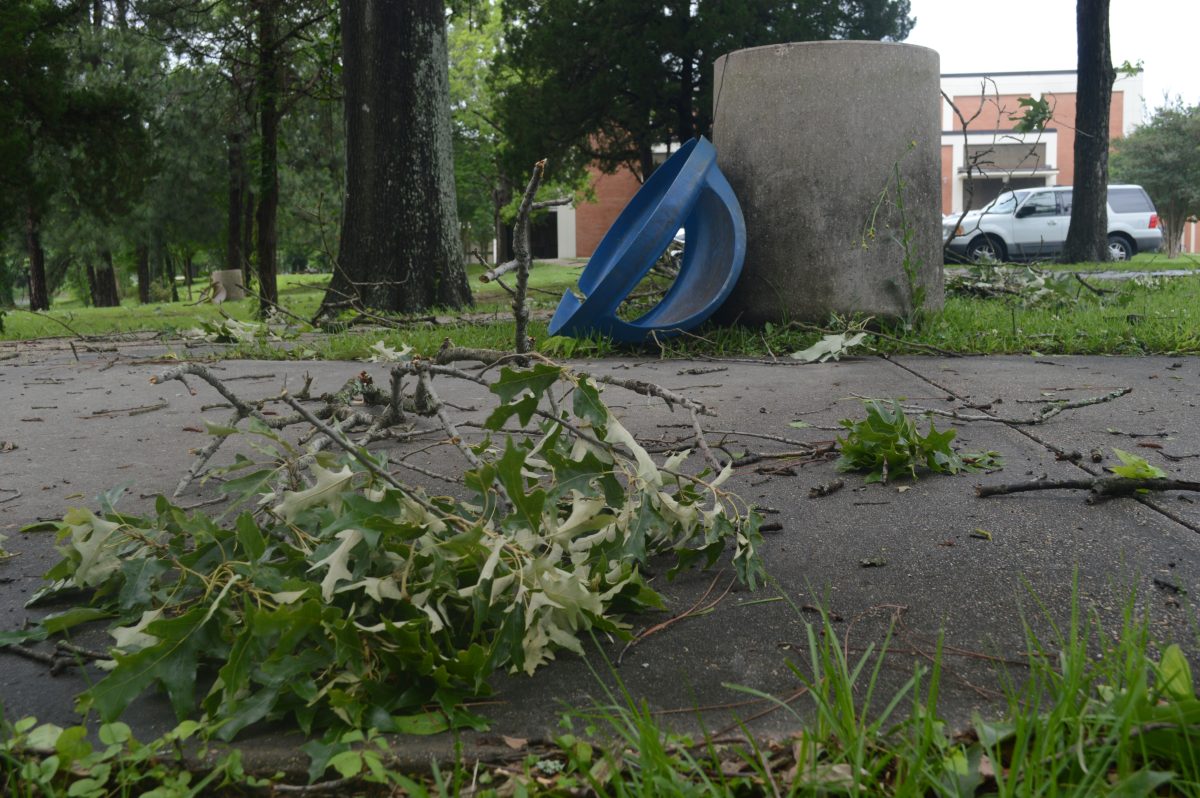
pixel 227 286
pixel 812 136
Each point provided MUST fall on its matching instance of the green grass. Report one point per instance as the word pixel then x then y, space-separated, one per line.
pixel 1161 317
pixel 299 293
pixel 1143 261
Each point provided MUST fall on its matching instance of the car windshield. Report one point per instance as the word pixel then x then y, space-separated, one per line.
pixel 1005 203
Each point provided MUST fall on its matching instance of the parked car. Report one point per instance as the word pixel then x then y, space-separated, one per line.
pixel 1031 224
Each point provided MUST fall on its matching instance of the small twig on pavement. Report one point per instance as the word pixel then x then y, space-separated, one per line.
pixel 690 612
pixel 1100 487
pixel 1048 411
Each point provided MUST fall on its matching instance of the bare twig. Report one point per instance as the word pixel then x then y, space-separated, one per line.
pixel 650 389
pixel 203 456
pixel 340 439
pixel 1048 411
pixel 1100 487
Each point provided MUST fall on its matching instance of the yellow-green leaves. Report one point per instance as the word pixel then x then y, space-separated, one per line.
pixel 1134 467
pixel 1175 675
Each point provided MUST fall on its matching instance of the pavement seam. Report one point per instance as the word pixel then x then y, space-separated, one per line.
pixel 1050 447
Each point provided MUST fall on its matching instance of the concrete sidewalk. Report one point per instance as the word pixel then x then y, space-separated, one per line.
pixel 75 436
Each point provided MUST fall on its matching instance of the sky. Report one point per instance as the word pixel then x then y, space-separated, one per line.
pixel 1019 35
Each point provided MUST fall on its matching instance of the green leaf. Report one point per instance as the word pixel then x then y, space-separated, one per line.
pixel 72 745
pixel 587 404
pixel 423 723
pixel 1135 467
pixel 1175 674
pixel 523 409
pixel 140 576
pixel 528 503
pixel 348 763
pixel 830 347
pixel 219 430
pixel 250 536
pixel 887 443
pixel 1141 784
pixel 115 733
pixel 172 661
pixel 515 381
pixel 61 621
pixel 326 491
pixel 32 634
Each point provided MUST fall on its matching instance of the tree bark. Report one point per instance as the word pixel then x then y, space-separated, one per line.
pixel 237 188
pixel 39 297
pixel 685 124
pixel 105 295
pixel 1087 237
pixel 269 79
pixel 169 258
pixel 142 254
pixel 1173 220
pixel 247 232
pixel 400 248
pixel 89 272
pixel 501 195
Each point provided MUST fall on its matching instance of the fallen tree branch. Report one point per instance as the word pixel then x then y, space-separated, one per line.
pixel 650 389
pixel 340 439
pixel 1100 487
pixel 1048 411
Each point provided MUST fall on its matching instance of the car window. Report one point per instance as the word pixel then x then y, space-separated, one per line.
pixel 1004 204
pixel 1064 202
pixel 1129 200
pixel 1041 205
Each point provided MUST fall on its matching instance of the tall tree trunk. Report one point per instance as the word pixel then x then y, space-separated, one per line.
pixel 501 195
pixel 268 157
pixel 247 233
pixel 400 248
pixel 1087 238
pixel 237 188
pixel 142 255
pixel 106 282
pixel 93 297
pixel 685 123
pixel 39 297
pixel 170 262
pixel 645 162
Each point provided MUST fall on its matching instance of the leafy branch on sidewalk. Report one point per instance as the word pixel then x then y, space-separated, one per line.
pixel 1134 477
pixel 351 599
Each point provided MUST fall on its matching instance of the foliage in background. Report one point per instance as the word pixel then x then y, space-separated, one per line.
pixel 887 443
pixel 348 603
pixel 609 81
pixel 1163 156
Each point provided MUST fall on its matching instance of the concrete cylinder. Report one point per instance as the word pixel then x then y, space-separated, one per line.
pixel 812 137
pixel 227 285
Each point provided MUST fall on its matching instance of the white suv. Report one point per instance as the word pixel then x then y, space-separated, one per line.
pixel 1031 224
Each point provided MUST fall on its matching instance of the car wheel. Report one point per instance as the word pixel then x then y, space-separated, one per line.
pixel 985 250
pixel 1119 248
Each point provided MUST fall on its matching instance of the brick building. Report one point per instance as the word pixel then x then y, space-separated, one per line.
pixel 1003 158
